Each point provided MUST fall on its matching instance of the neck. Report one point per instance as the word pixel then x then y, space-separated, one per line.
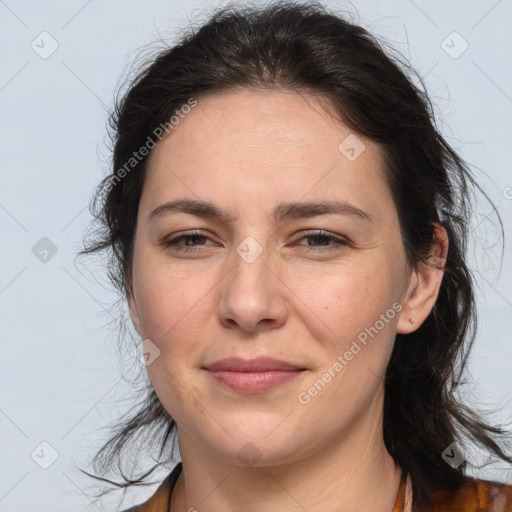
pixel 351 473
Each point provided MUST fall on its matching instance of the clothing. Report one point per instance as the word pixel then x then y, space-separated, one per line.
pixel 473 495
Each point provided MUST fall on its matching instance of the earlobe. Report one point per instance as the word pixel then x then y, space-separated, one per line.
pixel 424 285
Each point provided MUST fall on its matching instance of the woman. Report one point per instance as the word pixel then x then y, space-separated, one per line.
pixel 288 228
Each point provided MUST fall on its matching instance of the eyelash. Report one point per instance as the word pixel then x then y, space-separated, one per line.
pixel 338 242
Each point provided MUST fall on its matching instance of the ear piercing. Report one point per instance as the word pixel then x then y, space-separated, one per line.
pixel 411 321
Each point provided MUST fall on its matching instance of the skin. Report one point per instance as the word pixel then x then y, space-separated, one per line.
pixel 303 299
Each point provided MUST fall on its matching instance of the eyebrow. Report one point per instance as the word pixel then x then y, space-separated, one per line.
pixel 282 212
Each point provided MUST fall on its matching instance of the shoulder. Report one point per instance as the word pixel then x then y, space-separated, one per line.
pixel 474 495
pixel 159 501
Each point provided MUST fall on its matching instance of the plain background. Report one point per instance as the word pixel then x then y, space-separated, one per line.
pixel 60 376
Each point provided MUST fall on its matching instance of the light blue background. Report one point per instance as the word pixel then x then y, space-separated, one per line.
pixel 60 377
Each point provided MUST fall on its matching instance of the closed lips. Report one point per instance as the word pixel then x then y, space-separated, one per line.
pixel 262 364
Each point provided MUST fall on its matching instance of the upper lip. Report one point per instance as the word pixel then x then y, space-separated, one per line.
pixel 260 364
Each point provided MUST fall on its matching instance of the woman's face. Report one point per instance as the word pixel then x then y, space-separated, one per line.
pixel 319 287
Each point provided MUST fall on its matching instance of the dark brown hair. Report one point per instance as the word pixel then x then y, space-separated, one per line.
pixel 306 48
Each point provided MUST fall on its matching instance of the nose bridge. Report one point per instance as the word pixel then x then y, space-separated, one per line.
pixel 251 294
pixel 251 260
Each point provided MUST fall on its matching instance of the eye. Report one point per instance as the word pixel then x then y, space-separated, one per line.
pixel 196 241
pixel 192 240
pixel 323 241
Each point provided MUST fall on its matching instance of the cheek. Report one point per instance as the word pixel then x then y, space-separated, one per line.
pixel 166 302
pixel 359 311
pixel 347 296
pixel 172 313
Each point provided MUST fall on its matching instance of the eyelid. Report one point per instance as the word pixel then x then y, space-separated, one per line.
pixel 338 241
pixel 181 235
pixel 190 232
pixel 323 232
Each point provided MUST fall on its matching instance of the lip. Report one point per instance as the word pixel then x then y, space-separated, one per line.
pixel 259 364
pixel 253 375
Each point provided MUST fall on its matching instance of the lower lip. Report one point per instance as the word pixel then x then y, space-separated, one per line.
pixel 254 382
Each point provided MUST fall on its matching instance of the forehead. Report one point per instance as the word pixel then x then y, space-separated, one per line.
pixel 264 145
pixel 273 118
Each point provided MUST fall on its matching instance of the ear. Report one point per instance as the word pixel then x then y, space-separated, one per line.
pixel 424 284
pixel 134 313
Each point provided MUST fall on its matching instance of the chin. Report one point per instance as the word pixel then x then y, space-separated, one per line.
pixel 262 443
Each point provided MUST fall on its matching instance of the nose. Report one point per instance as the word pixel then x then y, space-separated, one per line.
pixel 253 297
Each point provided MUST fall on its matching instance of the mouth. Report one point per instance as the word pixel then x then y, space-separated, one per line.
pixel 253 375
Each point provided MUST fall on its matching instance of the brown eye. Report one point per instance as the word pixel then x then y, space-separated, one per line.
pixel 323 241
pixel 191 240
